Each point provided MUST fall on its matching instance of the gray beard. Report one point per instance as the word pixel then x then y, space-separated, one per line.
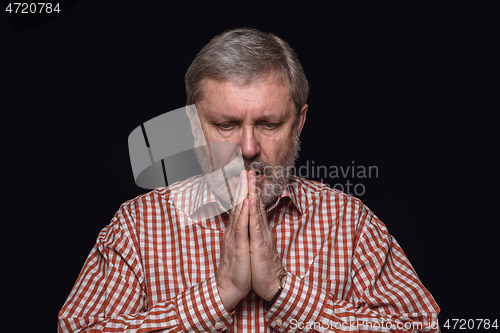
pixel 277 177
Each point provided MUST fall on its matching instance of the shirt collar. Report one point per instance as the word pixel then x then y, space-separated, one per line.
pixel 202 197
pixel 291 192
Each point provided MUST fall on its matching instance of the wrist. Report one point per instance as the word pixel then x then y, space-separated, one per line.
pixel 230 297
pixel 281 283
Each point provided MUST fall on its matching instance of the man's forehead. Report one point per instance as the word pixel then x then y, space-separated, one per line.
pixel 265 98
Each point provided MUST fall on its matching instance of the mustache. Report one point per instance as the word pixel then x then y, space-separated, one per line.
pixel 260 167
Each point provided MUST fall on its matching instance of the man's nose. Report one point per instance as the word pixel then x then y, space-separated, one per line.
pixel 249 144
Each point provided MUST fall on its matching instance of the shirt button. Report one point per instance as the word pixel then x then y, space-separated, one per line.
pixel 218 325
pixel 278 322
pixel 291 330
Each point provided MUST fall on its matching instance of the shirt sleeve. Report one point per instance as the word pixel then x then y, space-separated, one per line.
pixel 110 294
pixel 385 293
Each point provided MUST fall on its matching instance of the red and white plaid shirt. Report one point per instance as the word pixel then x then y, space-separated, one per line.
pixel 153 269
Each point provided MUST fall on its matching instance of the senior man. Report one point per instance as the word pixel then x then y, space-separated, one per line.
pixel 291 255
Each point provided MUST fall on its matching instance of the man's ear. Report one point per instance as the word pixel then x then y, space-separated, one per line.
pixel 302 118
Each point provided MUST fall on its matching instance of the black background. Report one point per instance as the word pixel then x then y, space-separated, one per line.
pixel 397 86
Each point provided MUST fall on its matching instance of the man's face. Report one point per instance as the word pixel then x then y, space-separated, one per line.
pixel 261 119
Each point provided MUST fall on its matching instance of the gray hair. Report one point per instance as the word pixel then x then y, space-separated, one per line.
pixel 243 55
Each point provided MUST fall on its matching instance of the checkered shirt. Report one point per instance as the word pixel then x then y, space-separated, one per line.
pixel 153 269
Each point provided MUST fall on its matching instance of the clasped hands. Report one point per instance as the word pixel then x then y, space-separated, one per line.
pixel 249 258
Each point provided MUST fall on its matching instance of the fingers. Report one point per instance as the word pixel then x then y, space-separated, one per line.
pixel 255 220
pixel 242 193
pixel 238 218
pixel 258 213
pixel 265 261
pixel 249 216
pixel 252 185
pixel 256 223
pixel 241 227
pixel 242 188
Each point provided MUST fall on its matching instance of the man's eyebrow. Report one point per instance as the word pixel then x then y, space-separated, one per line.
pixel 274 117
